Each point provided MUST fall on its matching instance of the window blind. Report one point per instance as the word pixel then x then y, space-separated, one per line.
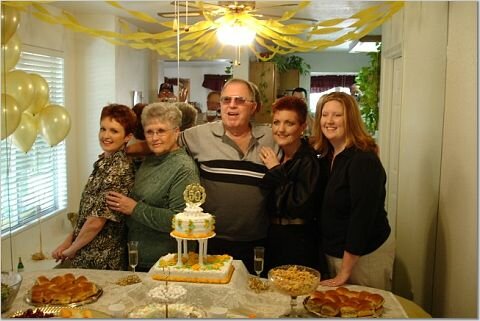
pixel 34 184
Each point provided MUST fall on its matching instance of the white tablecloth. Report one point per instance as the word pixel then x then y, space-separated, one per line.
pixel 235 296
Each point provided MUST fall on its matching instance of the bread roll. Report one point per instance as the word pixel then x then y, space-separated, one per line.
pixel 317 295
pixel 349 310
pixel 330 309
pixel 70 277
pixel 59 279
pixel 342 290
pixel 332 298
pixel 81 279
pixel 365 310
pixel 62 289
pixel 376 299
pixel 42 280
pixel 346 303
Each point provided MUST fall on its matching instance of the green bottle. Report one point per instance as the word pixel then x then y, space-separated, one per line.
pixel 20 265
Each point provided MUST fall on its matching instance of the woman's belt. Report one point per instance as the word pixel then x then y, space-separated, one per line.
pixel 287 221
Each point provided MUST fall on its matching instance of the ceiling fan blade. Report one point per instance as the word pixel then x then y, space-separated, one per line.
pixel 292 18
pixel 277 6
pixel 205 5
pixel 182 14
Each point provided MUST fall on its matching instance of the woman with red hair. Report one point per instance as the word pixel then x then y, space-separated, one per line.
pixel 354 225
pixel 98 240
pixel 294 183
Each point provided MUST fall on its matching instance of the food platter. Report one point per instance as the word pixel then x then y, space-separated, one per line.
pixel 157 310
pixel 310 306
pixel 90 299
pixel 56 311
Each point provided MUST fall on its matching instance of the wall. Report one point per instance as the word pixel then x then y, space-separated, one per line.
pixel 420 145
pixel 330 61
pixel 320 62
pixel 133 72
pixel 96 73
pixel 437 148
pixel 105 74
pixel 456 270
pixel 95 76
pixel 195 71
pixel 54 228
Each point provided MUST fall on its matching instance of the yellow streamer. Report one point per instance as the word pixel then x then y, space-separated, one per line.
pixel 273 35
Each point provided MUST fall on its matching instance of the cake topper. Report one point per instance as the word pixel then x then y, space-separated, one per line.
pixel 194 195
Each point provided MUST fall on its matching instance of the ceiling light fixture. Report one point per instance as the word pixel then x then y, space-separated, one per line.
pixel 235 35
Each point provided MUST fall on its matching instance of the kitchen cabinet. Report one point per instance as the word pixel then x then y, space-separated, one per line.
pixel 265 76
pixel 271 84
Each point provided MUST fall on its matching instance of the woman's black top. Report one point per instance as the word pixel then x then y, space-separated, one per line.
pixel 353 214
pixel 295 188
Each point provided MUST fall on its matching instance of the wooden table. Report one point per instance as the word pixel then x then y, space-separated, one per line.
pixel 235 296
pixel 412 309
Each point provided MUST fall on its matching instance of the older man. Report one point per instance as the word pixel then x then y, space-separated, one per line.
pixel 227 153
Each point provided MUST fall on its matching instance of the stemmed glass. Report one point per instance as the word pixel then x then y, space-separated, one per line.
pixel 133 254
pixel 258 259
pixel 294 280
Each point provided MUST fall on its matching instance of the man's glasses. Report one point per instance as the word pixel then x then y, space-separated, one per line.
pixel 160 132
pixel 237 99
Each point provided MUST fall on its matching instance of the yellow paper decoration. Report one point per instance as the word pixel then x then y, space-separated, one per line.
pixel 275 36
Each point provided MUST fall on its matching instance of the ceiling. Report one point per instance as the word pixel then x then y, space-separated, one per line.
pixel 319 10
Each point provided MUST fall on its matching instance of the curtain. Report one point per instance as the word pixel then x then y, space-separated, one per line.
pixel 215 82
pixel 173 81
pixel 322 83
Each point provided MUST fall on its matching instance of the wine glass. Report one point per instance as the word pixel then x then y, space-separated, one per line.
pixel 258 259
pixel 294 280
pixel 133 254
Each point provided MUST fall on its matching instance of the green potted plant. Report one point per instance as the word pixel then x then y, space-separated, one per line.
pixel 291 62
pixel 368 79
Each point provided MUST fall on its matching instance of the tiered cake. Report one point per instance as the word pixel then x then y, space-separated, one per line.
pixel 193 224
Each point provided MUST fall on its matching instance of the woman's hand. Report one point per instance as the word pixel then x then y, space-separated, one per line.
pixel 57 253
pixel 183 95
pixel 120 203
pixel 348 263
pixel 69 253
pixel 338 280
pixel 268 157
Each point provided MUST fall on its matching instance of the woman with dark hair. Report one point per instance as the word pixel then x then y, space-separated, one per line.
pixel 355 229
pixel 138 109
pixel 295 184
pixel 138 134
pixel 98 240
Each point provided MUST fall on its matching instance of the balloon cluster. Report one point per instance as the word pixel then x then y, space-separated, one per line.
pixel 26 110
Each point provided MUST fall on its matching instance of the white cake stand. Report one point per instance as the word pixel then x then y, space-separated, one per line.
pixel 182 247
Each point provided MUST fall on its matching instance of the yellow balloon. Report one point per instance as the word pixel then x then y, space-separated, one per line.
pixel 19 85
pixel 26 133
pixel 10 21
pixel 11 53
pixel 41 95
pixel 54 124
pixel 10 117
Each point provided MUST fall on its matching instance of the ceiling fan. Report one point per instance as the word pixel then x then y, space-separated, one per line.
pixel 214 10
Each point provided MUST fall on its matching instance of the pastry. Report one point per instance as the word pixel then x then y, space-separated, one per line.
pixel 345 303
pixel 62 289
